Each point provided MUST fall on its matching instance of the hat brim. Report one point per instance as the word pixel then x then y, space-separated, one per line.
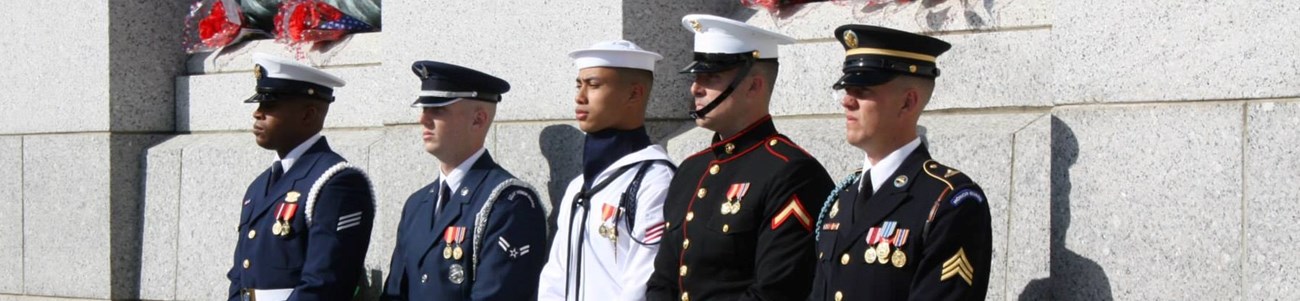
pixel 434 101
pixel 260 98
pixel 709 67
pixel 863 79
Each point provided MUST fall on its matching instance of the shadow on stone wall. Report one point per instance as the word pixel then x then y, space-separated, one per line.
pixel 561 145
pixel 1073 277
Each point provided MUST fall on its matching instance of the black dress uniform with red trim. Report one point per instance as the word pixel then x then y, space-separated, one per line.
pixel 925 232
pixel 305 223
pixel 740 216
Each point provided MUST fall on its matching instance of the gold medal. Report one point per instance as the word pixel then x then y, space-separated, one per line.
pixel 735 208
pixel 882 252
pixel 457 253
pixel 869 255
pixel 292 197
pixel 276 228
pixel 900 259
pixel 284 230
pixel 726 208
pixel 835 209
pixel 604 231
pixel 446 252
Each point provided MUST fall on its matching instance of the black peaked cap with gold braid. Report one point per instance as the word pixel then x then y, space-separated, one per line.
pixel 875 55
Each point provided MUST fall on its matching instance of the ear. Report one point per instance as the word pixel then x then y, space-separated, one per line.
pixel 638 93
pixel 911 102
pixel 758 83
pixel 309 113
pixel 480 117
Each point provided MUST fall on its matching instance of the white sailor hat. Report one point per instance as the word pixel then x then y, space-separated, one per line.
pixel 278 76
pixel 616 53
pixel 722 44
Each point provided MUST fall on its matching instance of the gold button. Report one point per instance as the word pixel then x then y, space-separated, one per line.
pixel 247 264
pixel 772 142
pixel 844 260
pixel 682 271
pixel 715 169
pixel 726 228
pixel 821 254
pixel 701 193
pixel 667 225
pixel 730 148
pixel 686 243
pixel 686 296
pixel 690 215
pixel 252 234
pixel 424 278
pixel 839 295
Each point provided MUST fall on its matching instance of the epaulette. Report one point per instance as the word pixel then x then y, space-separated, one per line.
pixel 774 141
pixel 951 177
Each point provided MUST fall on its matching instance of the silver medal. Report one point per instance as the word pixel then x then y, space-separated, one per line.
pixel 457 274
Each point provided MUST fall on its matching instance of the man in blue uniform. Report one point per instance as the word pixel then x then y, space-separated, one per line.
pixel 905 227
pixel 305 222
pixel 740 213
pixel 477 232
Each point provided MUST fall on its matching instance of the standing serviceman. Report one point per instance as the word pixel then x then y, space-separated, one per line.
pixel 476 232
pixel 611 216
pixel 305 223
pixel 740 213
pixel 905 227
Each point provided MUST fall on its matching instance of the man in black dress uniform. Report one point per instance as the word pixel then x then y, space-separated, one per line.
pixel 906 227
pixel 740 213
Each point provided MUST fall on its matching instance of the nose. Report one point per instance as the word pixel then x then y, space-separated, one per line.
pixel 258 114
pixel 581 98
pixel 697 90
pixel 849 103
pixel 426 118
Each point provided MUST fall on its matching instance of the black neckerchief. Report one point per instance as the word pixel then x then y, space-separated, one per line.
pixel 604 147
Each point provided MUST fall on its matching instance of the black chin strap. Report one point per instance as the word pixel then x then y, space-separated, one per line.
pixel 744 71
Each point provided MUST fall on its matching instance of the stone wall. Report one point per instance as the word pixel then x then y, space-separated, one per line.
pixel 1129 150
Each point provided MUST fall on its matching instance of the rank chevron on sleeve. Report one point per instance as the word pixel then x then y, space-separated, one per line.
pixel 793 208
pixel 958 265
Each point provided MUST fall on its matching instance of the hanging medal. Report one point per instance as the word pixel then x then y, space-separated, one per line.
pixel 882 248
pixel 448 237
pixel 873 236
pixel 284 215
pixel 900 257
pixel 731 205
pixel 458 253
pixel 607 227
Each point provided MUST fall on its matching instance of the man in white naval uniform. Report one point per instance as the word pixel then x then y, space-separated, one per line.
pixel 611 216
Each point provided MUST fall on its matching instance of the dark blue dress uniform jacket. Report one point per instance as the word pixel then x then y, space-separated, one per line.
pixel 504 248
pixel 947 250
pixel 319 261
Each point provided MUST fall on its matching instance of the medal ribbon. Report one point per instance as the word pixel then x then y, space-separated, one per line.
pixel 873 235
pixel 460 234
pixel 449 236
pixel 607 212
pixel 286 212
pixel 900 239
pixel 737 191
pixel 887 229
